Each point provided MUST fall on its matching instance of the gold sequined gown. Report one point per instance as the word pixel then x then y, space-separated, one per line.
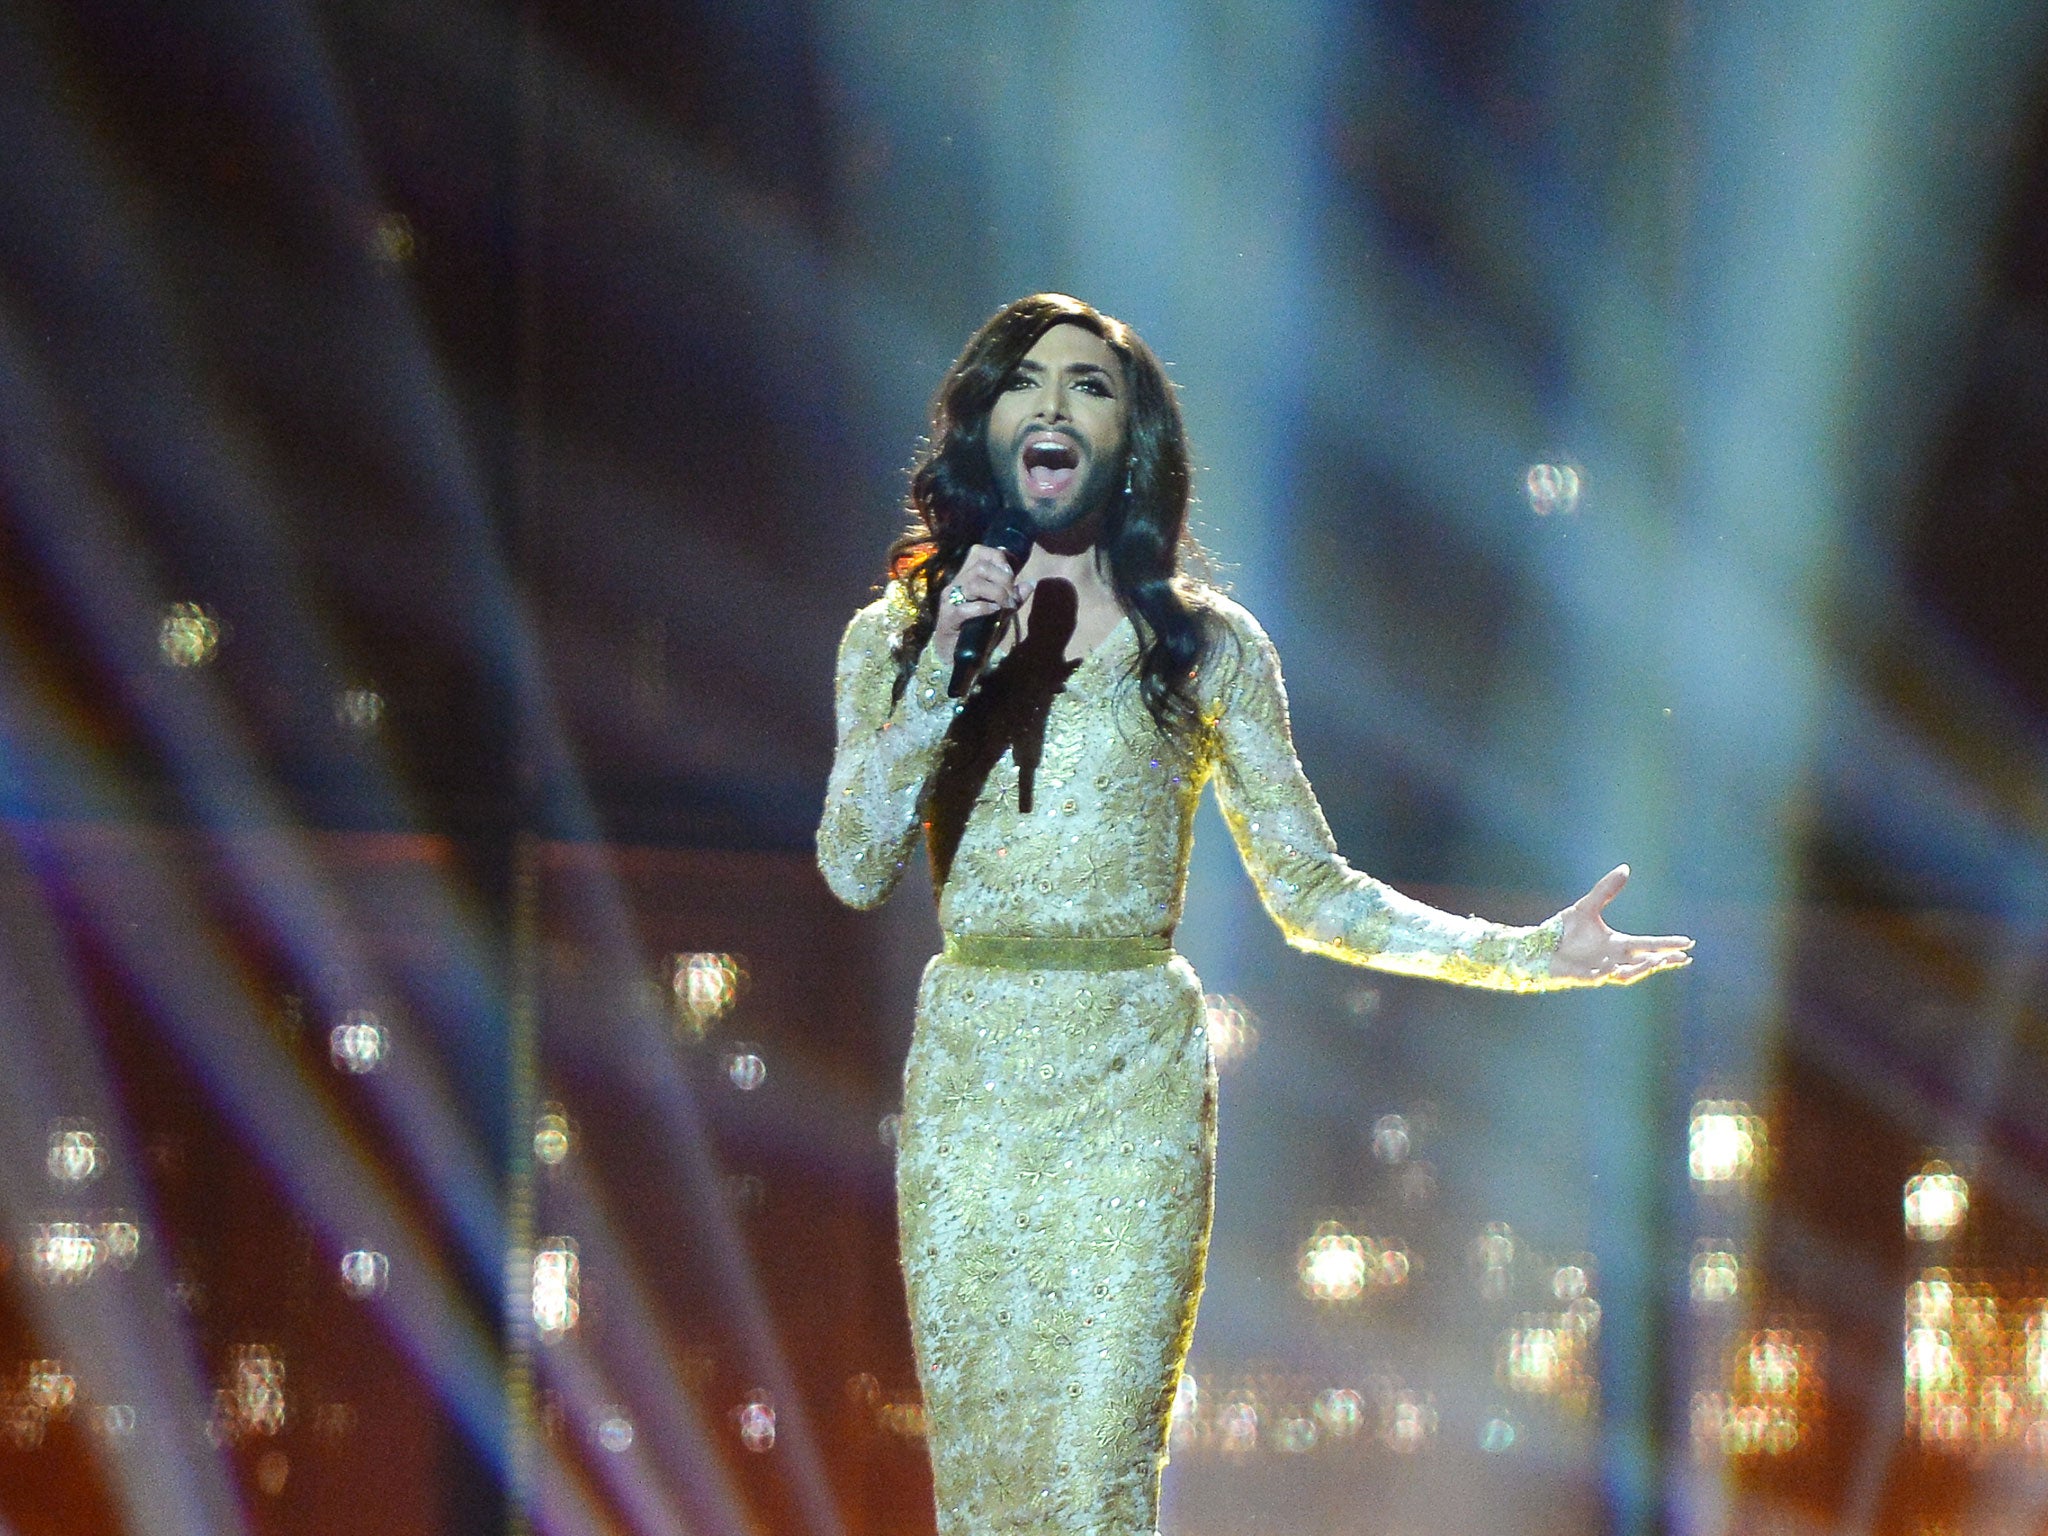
pixel 1059 1115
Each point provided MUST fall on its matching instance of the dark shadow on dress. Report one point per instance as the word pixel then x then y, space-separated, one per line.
pixel 1006 711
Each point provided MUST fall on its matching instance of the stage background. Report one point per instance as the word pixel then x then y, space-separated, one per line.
pixel 439 447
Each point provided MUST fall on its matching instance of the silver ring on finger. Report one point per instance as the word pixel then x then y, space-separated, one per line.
pixel 955 596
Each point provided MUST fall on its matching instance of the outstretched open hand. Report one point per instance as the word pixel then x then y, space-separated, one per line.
pixel 1592 953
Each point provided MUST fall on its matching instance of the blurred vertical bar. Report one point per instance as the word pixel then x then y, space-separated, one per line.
pixel 522 1041
pixel 1614 170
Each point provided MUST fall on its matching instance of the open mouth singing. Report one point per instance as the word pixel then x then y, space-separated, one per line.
pixel 1050 464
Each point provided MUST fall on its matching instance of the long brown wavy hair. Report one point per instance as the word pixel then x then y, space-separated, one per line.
pixel 955 503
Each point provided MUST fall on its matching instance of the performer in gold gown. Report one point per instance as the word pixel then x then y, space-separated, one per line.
pixel 1059 1118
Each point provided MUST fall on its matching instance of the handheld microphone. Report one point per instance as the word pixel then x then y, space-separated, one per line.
pixel 981 634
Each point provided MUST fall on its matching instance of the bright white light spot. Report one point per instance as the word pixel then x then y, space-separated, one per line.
pixel 1497 1436
pixel 1930 1358
pixel 65 1252
pixel 756 1418
pixel 1716 1276
pixel 358 1044
pixel 615 1431
pixel 1931 1299
pixel 1937 1199
pixel 1569 1282
pixel 1334 1264
pixel 75 1155
pixel 706 984
pixel 1233 1034
pixel 1185 1424
pixel 1390 1139
pixel 1535 1360
pixel 364 1273
pixel 556 1284
pixel 1552 488
pixel 745 1069
pixel 1725 1143
pixel 551 1135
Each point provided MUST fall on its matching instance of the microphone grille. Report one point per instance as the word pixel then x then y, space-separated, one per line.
pixel 1012 535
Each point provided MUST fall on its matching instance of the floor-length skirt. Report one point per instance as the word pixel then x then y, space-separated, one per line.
pixel 1055 1185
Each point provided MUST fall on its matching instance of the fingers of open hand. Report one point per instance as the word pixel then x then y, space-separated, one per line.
pixel 1605 889
pixel 1648 965
pixel 1593 953
pixel 1654 941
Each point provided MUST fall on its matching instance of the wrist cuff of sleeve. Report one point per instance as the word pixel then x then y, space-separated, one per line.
pixel 926 691
pixel 1541 945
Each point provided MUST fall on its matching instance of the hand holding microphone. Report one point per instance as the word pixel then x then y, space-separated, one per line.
pixel 978 603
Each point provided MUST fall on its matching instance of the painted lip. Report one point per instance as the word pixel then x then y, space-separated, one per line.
pixel 1044 437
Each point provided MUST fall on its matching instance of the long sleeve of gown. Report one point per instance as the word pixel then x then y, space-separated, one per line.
pixel 886 751
pixel 1321 903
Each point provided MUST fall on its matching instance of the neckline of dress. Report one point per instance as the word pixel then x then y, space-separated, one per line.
pixel 1081 664
pixel 1122 622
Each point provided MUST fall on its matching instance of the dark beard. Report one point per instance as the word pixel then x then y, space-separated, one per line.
pixel 1092 500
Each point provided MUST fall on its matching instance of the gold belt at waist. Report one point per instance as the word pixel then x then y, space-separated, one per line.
pixel 1007 952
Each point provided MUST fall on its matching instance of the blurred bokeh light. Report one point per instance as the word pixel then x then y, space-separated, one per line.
pixel 557 1288
pixel 359 1043
pixel 364 1273
pixel 1727 1143
pixel 551 1135
pixel 705 986
pixel 188 635
pixel 1936 1200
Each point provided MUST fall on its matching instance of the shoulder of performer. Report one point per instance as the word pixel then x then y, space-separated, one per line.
pixel 1229 615
pixel 1236 640
pixel 886 618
